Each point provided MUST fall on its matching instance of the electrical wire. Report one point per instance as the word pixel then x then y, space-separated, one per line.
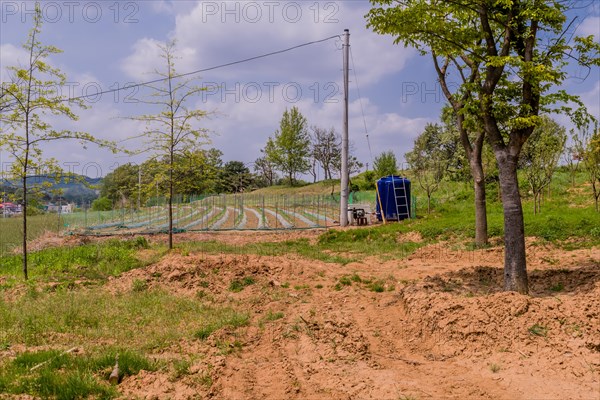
pixel 203 69
pixel 361 106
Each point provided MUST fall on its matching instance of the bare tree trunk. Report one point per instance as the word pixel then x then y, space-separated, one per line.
pixel 481 225
pixel 171 202
pixel 515 263
pixel 24 210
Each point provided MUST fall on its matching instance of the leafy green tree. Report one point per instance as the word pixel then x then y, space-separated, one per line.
pixel 174 128
pixel 197 171
pixel 516 52
pixel 385 164
pixel 540 155
pixel 102 204
pixel 423 25
pixel 121 185
pixel 235 177
pixel 32 93
pixel 572 160
pixel 588 148
pixel 432 154
pixel 290 149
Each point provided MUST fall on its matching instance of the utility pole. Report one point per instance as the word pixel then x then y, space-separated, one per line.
pixel 345 175
pixel 139 187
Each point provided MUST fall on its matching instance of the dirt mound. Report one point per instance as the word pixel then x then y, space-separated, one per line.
pixel 443 330
pixel 561 331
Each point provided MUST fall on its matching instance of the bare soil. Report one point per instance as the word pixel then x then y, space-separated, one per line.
pixel 441 327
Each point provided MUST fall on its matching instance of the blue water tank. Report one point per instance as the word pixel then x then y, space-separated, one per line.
pixel 393 196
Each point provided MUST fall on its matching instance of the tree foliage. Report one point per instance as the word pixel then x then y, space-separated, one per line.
pixel 174 128
pixel 540 156
pixel 385 164
pixel 289 149
pixel 32 94
pixel 588 149
pixel 432 155
pixel 511 57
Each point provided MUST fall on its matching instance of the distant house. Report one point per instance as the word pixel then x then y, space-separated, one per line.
pixel 10 208
pixel 60 208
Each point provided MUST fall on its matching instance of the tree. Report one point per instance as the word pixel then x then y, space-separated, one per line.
pixel 289 150
pixel 235 177
pixel 511 56
pixel 173 130
pixel 572 160
pixel 102 204
pixel 588 148
pixel 540 155
pixel 121 185
pixel 32 93
pixel 385 164
pixel 265 170
pixel 430 158
pixel 327 149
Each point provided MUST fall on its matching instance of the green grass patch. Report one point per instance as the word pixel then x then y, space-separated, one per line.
pixel 538 330
pixel 228 318
pixel 237 286
pixel 274 316
pixel 59 375
pixel 147 320
pixel 96 261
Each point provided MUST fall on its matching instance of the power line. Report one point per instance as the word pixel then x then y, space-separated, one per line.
pixel 202 70
pixel 361 105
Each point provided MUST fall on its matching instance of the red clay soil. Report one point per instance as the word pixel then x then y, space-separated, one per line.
pixel 441 328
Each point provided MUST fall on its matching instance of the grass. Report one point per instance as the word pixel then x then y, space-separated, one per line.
pixel 274 316
pixel 59 375
pixel 11 229
pixel 95 262
pixel 538 330
pixel 495 368
pixel 227 318
pixel 237 286
pixel 147 320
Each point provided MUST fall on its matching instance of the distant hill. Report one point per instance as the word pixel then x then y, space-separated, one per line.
pixel 75 188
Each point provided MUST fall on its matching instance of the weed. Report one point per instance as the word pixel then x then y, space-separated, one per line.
pixel 319 286
pixel 345 280
pixel 559 287
pixel 139 285
pixel 229 347
pixel 285 285
pixel 274 316
pixel 301 287
pixel 237 286
pixel 377 287
pixel 538 330
pixel 231 319
pixel 181 368
pixel 494 368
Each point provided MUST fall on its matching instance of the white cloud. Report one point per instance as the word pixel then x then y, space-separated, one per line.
pixel 214 33
pixel 11 56
pixel 590 26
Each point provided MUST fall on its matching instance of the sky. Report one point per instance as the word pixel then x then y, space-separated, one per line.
pixel 111 44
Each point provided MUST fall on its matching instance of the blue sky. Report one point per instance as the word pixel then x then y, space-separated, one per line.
pixel 113 43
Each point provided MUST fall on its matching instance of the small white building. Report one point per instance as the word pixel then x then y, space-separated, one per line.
pixel 62 209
